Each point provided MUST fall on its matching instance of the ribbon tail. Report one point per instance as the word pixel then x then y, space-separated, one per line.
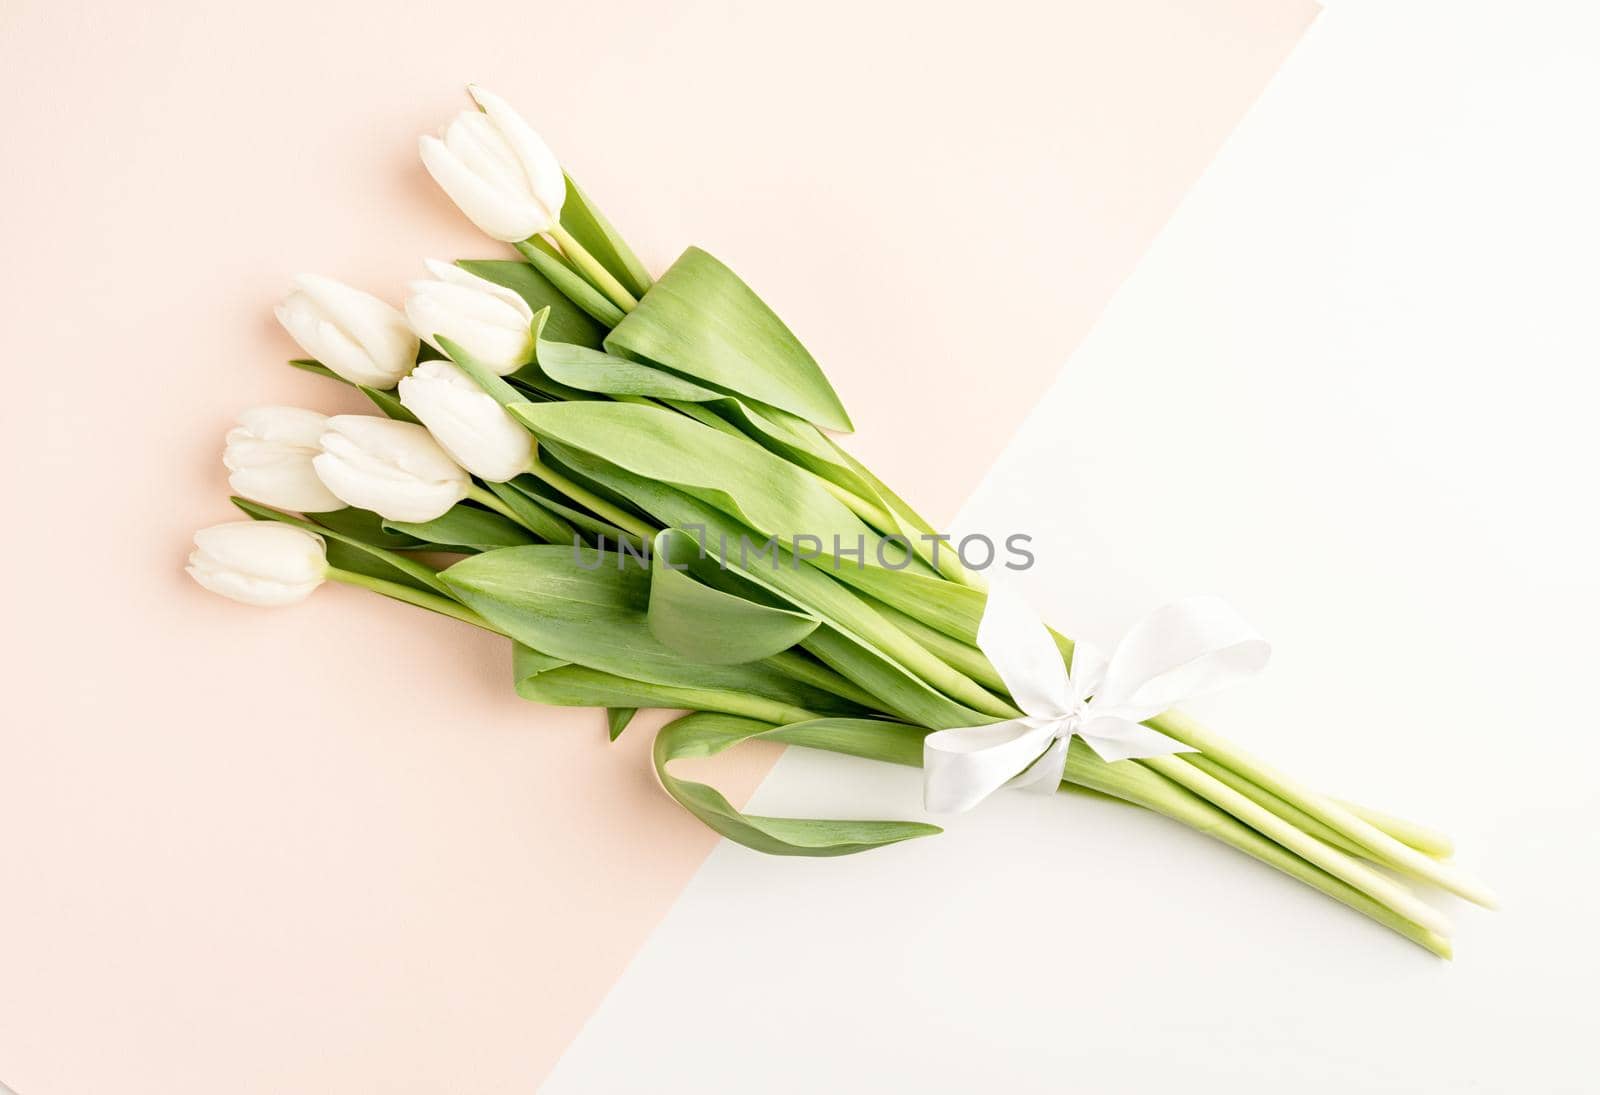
pixel 964 766
pixel 1043 776
pixel 1115 739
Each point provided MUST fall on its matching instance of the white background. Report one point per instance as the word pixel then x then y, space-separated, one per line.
pixel 1352 388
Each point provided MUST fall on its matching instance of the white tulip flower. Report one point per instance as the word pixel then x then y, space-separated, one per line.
pixel 258 562
pixel 497 170
pixel 353 333
pixel 467 421
pixel 268 457
pixel 395 469
pixel 492 323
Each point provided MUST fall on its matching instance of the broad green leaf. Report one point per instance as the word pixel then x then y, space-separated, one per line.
pixel 533 376
pixel 906 511
pixel 566 321
pixel 464 526
pixel 737 476
pixel 363 558
pixel 618 718
pixel 787 435
pixel 597 371
pixel 580 369
pixel 705 734
pixel 589 607
pixel 797 441
pixel 582 217
pixel 526 662
pixel 854 640
pixel 699 320
pixel 580 686
pixel 705 624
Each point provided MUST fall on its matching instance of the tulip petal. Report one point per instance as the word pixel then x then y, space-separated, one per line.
pixel 257 564
pixel 478 144
pixel 542 168
pixel 467 422
pixel 484 205
pixel 376 326
pixel 451 274
pixel 395 469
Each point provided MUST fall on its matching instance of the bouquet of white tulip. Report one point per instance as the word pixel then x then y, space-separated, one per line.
pixel 637 478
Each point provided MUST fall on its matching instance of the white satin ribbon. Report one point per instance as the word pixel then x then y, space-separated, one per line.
pixel 1187 649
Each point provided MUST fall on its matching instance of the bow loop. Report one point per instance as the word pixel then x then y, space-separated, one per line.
pixel 1193 647
pixel 1188 649
pixel 1089 665
pixel 1021 650
pixel 973 762
pixel 1113 738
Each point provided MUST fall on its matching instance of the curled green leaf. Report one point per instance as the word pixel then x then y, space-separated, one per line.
pixel 705 624
pixel 705 734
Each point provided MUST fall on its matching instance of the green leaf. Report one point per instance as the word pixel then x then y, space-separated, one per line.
pixel 797 441
pixel 852 641
pixel 317 368
pixel 705 734
pixel 580 686
pixel 389 403
pixel 731 473
pixel 545 525
pixel 527 663
pixel 368 527
pixel 581 217
pixel 481 375
pixel 756 487
pixel 617 719
pixel 464 526
pixel 566 322
pixel 541 494
pixel 385 401
pixel 363 558
pixel 589 607
pixel 701 321
pixel 705 624
pixel 597 371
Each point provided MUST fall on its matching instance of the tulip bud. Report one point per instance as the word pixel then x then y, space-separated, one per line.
pixel 467 421
pixel 258 562
pixel 394 469
pixel 268 456
pixel 353 333
pixel 497 170
pixel 492 323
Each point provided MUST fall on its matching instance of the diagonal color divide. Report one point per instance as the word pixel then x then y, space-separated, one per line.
pixel 327 849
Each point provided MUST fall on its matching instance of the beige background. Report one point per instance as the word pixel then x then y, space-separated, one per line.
pixel 327 849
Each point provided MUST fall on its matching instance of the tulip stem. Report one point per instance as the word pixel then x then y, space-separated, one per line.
pixel 412 596
pixel 589 499
pixel 590 267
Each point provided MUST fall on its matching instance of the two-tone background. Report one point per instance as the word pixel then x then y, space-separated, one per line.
pixel 1206 296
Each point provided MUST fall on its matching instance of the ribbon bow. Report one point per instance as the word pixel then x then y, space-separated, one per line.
pixel 1187 649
